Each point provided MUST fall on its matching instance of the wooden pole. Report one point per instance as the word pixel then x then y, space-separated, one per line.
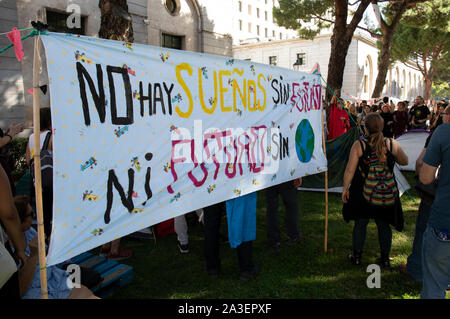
pixel 326 183
pixel 37 169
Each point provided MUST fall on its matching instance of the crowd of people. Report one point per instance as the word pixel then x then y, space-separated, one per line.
pixel 369 192
pixel 398 119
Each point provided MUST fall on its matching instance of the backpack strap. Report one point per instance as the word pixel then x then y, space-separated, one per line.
pixel 46 141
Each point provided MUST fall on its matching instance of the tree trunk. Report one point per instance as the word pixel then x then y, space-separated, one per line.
pixel 427 92
pixel 383 64
pixel 336 65
pixel 116 22
pixel 340 42
pixel 385 52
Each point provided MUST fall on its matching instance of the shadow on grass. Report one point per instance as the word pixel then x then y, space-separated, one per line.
pixel 302 271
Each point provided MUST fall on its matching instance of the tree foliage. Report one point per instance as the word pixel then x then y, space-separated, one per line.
pixel 310 17
pixel 423 37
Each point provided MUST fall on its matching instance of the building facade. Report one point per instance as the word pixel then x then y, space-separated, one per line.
pixel 403 82
pixel 179 24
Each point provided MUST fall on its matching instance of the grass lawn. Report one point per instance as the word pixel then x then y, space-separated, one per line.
pixel 302 271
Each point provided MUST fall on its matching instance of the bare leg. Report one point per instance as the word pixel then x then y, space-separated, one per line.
pixel 82 293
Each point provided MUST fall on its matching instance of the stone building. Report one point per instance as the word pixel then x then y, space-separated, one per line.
pixel 179 24
pixel 403 82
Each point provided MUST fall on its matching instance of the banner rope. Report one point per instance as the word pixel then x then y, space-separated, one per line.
pixel 29 35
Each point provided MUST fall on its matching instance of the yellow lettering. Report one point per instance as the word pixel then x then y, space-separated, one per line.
pixel 200 93
pixel 178 69
pixel 222 90
pixel 259 106
pixel 251 88
pixel 237 88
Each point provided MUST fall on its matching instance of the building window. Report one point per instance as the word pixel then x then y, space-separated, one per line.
pixel 272 60
pixel 273 33
pixel 266 32
pixel 249 9
pixel 281 35
pixel 265 15
pixel 57 22
pixel 240 25
pixel 240 6
pixel 257 12
pixel 249 27
pixel 257 29
pixel 301 58
pixel 172 41
pixel 173 6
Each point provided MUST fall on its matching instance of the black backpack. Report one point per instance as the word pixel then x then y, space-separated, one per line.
pixel 46 164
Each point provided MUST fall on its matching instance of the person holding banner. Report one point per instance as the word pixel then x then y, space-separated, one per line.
pixel 29 278
pixel 47 191
pixel 288 192
pixel 241 214
pixel 370 189
pixel 9 283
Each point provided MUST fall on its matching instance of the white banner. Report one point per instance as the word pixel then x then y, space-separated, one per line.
pixel 143 134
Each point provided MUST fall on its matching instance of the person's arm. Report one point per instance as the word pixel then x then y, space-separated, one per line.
pixel 26 274
pixel 10 218
pixel 28 154
pixel 419 161
pixel 432 159
pixel 399 154
pixel 352 164
pixel 50 143
pixel 297 182
pixel 427 173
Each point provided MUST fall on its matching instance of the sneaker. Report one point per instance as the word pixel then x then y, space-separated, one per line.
pixel 355 258
pixel 249 274
pixel 123 254
pixel 384 262
pixel 184 249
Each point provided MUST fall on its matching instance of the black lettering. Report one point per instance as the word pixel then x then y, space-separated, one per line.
pixel 169 97
pixel 158 98
pixel 143 98
pixel 285 146
pixel 99 99
pixel 273 84
pixel 148 190
pixel 128 119
pixel 127 201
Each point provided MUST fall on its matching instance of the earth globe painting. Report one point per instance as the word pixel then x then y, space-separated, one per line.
pixel 304 141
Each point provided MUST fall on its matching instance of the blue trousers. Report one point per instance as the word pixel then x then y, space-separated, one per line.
pixel 435 265
pixel 414 262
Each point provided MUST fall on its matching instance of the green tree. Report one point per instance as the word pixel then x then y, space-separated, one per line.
pixel 309 17
pixel 423 37
pixel 388 19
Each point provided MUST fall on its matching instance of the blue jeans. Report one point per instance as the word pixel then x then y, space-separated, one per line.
pixel 414 262
pixel 435 265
